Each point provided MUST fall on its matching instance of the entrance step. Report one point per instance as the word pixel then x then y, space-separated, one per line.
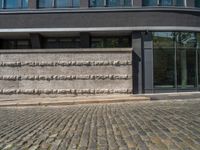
pixel 173 96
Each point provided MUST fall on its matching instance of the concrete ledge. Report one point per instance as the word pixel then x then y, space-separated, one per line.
pixel 71 100
pixel 77 50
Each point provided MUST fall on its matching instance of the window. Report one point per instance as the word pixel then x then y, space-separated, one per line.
pixel 163 2
pixel 197 3
pixel 58 3
pixel 14 4
pixel 175 60
pixel 150 3
pixel 16 44
pixel 62 42
pixel 110 3
pixel 110 42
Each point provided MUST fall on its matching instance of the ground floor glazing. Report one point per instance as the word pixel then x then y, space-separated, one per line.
pixel 162 61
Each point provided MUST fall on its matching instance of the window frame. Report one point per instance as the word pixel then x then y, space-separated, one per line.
pixel 53 4
pixel 159 4
pixel 20 6
pixel 106 4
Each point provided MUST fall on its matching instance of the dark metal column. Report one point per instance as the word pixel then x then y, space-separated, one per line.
pixel 137 57
pixel 148 62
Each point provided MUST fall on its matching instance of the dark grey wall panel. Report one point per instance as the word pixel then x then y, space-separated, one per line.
pixel 100 19
pixel 32 4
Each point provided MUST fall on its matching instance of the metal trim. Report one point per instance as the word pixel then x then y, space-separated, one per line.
pixel 91 29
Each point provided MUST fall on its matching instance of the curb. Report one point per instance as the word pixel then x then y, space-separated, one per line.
pixel 75 102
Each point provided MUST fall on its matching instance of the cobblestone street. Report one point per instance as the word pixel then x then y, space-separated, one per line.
pixel 157 125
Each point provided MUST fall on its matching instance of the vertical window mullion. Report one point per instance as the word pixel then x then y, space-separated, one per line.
pixel 53 3
pixel 3 4
pixel 158 2
pixel 105 3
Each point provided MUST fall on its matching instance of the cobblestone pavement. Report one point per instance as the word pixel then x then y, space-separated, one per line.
pixel 154 125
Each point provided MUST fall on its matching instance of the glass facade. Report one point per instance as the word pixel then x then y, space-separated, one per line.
pixel 16 44
pixel 110 42
pixel 58 3
pixel 96 3
pixel 163 3
pixel 176 60
pixel 62 42
pixel 150 2
pixel 110 3
pixel 197 3
pixel 14 4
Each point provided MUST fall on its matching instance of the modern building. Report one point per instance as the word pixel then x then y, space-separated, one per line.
pixel 99 46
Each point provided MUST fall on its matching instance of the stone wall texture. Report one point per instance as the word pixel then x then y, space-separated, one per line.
pixel 67 72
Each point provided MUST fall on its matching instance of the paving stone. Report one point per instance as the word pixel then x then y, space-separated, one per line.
pixel 150 125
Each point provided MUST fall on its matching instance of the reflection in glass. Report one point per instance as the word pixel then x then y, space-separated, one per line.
pixel 175 60
pixel 60 3
pixel 1 4
pixel 76 3
pixel 166 2
pixel 197 3
pixel 186 59
pixel 25 3
pixel 110 3
pixel 150 3
pixel 113 3
pixel 16 44
pixel 179 2
pixel 9 4
pixel 73 42
pixel 164 60
pixel 97 3
pixel 127 3
pixel 45 3
pixel 110 42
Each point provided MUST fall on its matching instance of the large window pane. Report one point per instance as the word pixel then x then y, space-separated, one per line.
pixel 45 3
pixel 16 44
pixel 197 3
pixel 127 2
pixel 163 40
pixel 11 4
pixel 149 2
pixel 25 3
pixel 164 53
pixel 76 3
pixel 186 68
pixel 166 2
pixel 62 42
pixel 110 42
pixel 60 3
pixel 113 3
pixel 97 3
pixel 1 6
pixel 179 2
pixel 175 61
pixel 186 60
